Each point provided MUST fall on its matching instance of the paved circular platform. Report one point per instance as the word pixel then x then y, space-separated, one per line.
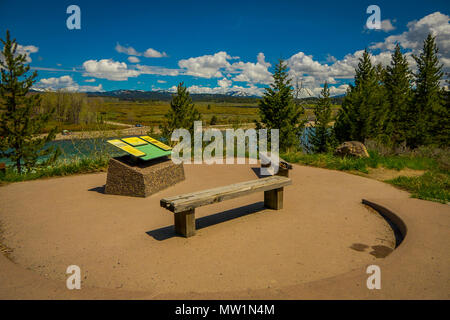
pixel 318 246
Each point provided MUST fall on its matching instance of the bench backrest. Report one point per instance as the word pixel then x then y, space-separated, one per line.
pixel 201 198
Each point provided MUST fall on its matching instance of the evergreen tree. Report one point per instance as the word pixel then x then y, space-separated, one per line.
pixel 182 113
pixel 397 84
pixel 362 111
pixel 443 138
pixel 320 137
pixel 20 126
pixel 278 110
pixel 428 108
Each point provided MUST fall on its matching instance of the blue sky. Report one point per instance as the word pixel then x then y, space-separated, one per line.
pixel 213 46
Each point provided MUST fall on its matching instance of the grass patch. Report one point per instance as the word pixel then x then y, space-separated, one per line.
pixel 60 168
pixel 329 161
pixel 433 185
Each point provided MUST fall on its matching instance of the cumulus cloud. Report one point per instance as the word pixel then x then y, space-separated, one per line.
pixel 218 64
pixel 311 73
pixel 207 66
pixel 26 50
pixel 133 59
pixel 435 23
pixel 64 83
pixel 386 25
pixel 224 83
pixel 149 53
pixel 89 80
pixel 127 50
pixel 161 81
pixel 152 53
pixel 108 69
pixel 252 72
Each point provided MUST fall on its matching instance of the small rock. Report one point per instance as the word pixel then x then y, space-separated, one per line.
pixel 352 148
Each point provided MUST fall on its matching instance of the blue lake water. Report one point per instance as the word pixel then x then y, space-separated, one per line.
pixel 78 148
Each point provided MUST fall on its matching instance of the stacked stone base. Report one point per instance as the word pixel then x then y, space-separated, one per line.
pixel 136 178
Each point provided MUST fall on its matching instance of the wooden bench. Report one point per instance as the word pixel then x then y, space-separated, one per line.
pixel 183 206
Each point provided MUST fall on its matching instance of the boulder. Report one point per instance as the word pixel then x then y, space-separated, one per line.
pixel 352 148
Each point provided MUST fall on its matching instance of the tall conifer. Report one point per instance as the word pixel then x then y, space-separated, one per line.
pixel 397 84
pixel 278 110
pixel 20 127
pixel 428 106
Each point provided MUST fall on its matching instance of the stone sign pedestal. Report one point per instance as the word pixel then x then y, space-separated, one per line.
pixel 136 178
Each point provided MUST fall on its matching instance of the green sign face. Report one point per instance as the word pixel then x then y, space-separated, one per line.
pixel 146 148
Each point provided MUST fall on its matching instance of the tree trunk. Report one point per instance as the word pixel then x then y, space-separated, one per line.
pixel 19 169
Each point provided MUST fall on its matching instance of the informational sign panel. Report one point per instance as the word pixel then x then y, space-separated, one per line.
pixel 144 147
pixel 156 143
pixel 126 147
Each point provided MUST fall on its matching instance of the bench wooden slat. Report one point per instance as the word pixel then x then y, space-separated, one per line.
pixel 193 200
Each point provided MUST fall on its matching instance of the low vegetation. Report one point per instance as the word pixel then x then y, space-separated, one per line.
pixel 433 185
pixel 60 168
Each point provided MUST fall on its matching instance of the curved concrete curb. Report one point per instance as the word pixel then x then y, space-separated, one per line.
pixel 417 269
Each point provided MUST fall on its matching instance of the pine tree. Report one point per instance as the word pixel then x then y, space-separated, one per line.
pixel 320 137
pixel 182 113
pixel 362 110
pixel 428 105
pixel 278 110
pixel 444 137
pixel 397 83
pixel 20 127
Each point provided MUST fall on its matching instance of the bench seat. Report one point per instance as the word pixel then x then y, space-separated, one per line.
pixel 183 206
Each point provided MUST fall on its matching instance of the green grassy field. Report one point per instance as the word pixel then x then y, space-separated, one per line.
pixel 152 112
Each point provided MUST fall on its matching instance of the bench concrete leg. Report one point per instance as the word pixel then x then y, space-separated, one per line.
pixel 273 199
pixel 185 223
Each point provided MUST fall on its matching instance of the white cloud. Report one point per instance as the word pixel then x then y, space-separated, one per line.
pixel 251 90
pixel 312 73
pixel 133 59
pixel 89 80
pixel 64 83
pixel 161 81
pixel 149 53
pixel 331 58
pixel 152 53
pixel 26 50
pixel 129 51
pixel 224 83
pixel 144 69
pixel 207 66
pixel 435 23
pixel 216 65
pixel 386 25
pixel 108 69
pixel 252 72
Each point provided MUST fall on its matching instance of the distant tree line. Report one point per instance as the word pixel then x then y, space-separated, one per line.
pixel 72 107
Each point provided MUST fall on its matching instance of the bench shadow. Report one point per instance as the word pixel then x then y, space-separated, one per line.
pixel 168 232
pixel 257 172
pixel 100 189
